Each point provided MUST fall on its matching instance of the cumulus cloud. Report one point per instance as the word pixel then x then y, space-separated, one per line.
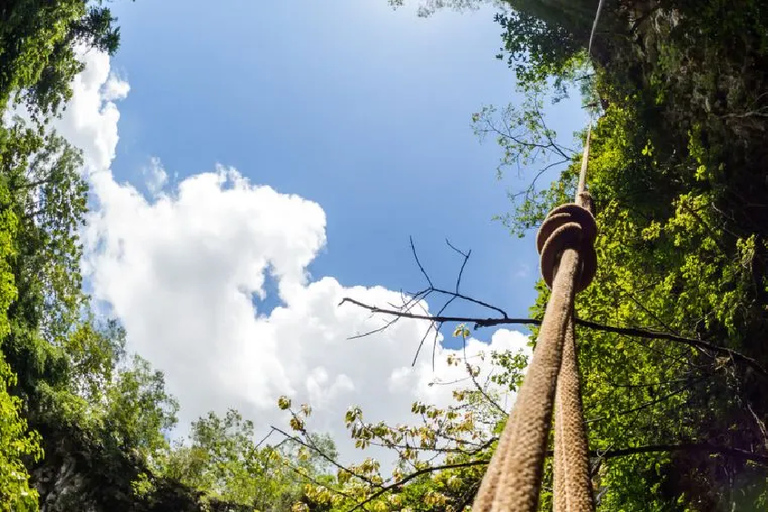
pixel 181 270
pixel 155 176
pixel 90 119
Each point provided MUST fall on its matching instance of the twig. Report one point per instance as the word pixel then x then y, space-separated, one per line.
pixel 470 299
pixel 532 185
pixel 703 447
pixel 416 474
pixel 627 331
pixel 314 481
pixel 648 403
pixel 416 256
pixel 331 460
pixel 477 384
pixel 463 263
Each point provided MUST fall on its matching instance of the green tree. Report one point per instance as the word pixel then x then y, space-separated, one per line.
pixel 440 457
pixel 38 40
pixel 16 442
pixel 222 460
pixel 139 413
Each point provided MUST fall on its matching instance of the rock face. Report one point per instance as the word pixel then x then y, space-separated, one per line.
pixel 61 488
pixel 78 474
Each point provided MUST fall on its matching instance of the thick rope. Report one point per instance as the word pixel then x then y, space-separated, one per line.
pixel 568 264
pixel 513 479
pixel 572 482
pixel 572 486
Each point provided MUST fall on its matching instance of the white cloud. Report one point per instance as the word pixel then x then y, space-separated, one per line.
pixel 180 270
pixel 90 119
pixel 155 176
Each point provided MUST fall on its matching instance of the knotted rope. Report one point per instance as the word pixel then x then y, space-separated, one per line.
pixel 512 482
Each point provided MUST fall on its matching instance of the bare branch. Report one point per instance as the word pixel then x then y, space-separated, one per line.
pixel 627 331
pixel 463 263
pixel 416 256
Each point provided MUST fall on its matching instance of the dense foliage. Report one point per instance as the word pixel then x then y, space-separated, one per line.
pixel 677 172
pixel 83 424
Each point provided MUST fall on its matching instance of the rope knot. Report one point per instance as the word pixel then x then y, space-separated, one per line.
pixel 569 226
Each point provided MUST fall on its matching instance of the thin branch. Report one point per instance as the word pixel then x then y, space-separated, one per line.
pixel 315 482
pixel 627 331
pixel 434 325
pixel 413 475
pixel 532 185
pixel 643 385
pixel 649 403
pixel 531 146
pixel 375 331
pixel 322 454
pixel 548 135
pixel 407 306
pixel 655 335
pixel 478 322
pixel 264 439
pixel 471 300
pixel 737 453
pixel 416 256
pixel 463 263
pixel 761 112
pixel 477 384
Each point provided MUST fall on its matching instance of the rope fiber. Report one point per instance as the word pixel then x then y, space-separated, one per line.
pixel 513 480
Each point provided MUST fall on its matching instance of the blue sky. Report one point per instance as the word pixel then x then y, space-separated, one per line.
pixel 351 104
pixel 344 129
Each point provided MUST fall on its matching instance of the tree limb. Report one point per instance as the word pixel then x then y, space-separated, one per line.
pixel 736 453
pixel 627 331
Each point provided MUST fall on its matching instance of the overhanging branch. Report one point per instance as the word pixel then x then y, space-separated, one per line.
pixel 736 453
pixel 626 331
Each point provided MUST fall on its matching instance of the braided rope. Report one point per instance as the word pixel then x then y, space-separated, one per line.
pixel 513 479
pixel 573 486
pixel 512 482
pixel 569 225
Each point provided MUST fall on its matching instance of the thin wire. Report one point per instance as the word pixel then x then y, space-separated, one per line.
pixel 585 155
pixel 594 27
